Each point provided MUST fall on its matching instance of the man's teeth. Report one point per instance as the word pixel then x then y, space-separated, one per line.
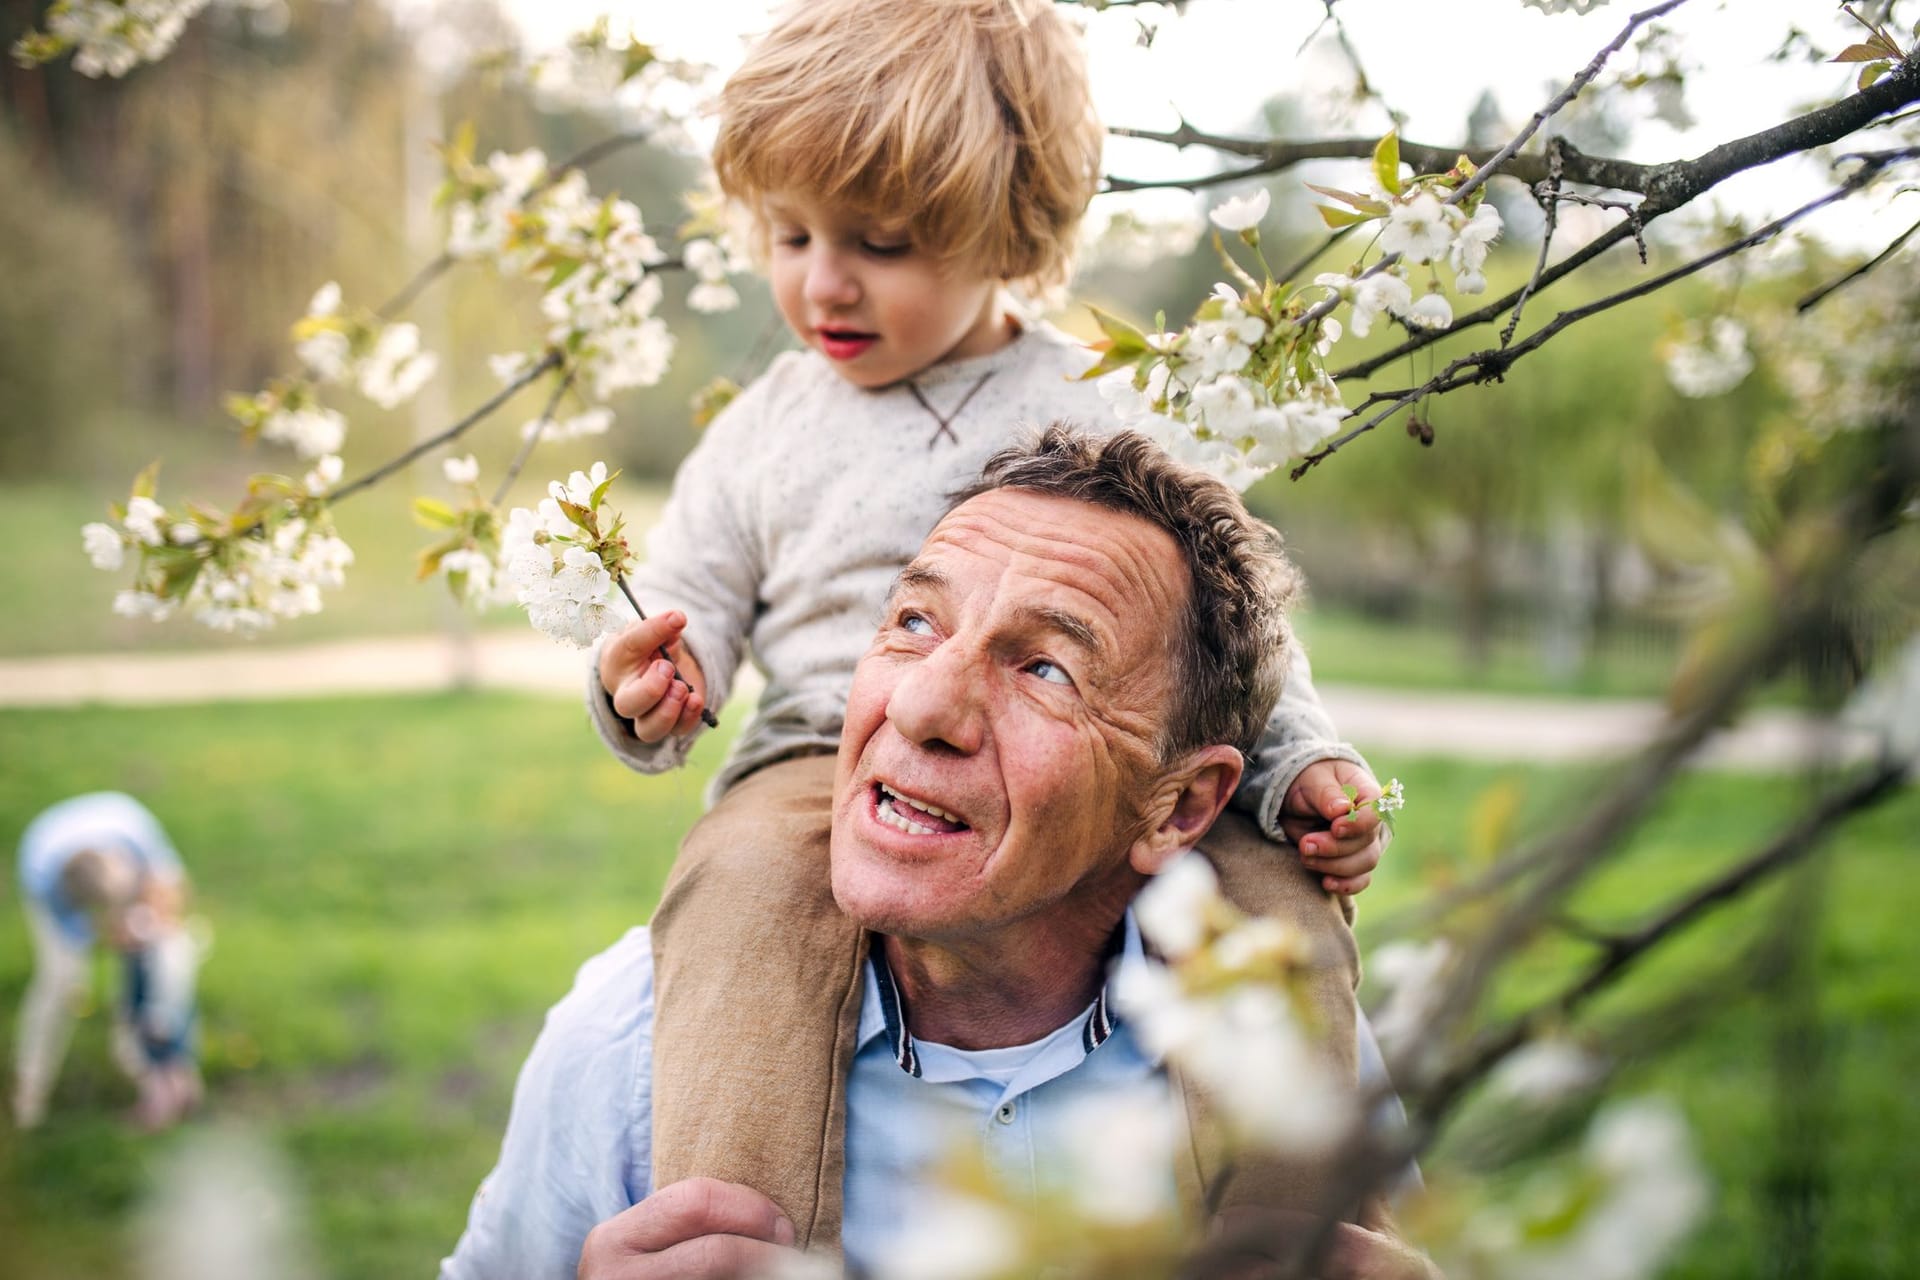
pixel 892 801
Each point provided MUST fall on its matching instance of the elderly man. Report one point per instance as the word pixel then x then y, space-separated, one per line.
pixel 1053 709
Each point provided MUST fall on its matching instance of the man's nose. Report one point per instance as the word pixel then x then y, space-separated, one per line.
pixel 831 282
pixel 937 703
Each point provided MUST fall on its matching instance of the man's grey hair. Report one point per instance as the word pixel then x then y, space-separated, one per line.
pixel 1230 652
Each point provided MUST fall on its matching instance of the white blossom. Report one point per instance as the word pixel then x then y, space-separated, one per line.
pixel 1712 367
pixel 461 470
pixel 1382 291
pixel 312 432
pixel 710 296
pixel 472 571
pixel 184 534
pixel 1412 976
pixel 954 1237
pixel 327 355
pixel 1473 239
pixel 1119 1157
pixel 325 474
pixel 509 366
pixel 592 422
pixel 326 300
pixel 1564 6
pixel 1417 229
pixel 1432 311
pixel 104 545
pixel 142 604
pixel 1393 799
pixel 1545 1071
pixel 397 368
pixel 1241 213
pixel 1172 909
pixel 143 520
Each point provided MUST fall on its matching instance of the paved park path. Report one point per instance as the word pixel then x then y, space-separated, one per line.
pixel 1460 725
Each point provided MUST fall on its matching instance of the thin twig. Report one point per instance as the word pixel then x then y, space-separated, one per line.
pixel 526 448
pixel 1562 98
pixel 424 447
pixel 706 713
pixel 1550 202
pixel 1313 255
pixel 1620 953
pixel 1819 295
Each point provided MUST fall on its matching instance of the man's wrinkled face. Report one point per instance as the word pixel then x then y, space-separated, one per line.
pixel 1002 735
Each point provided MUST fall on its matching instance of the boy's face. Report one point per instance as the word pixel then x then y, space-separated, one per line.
pixel 859 292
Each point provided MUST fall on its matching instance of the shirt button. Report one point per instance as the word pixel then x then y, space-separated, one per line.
pixel 1005 1113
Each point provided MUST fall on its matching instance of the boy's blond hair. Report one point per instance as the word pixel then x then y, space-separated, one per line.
pixel 972 118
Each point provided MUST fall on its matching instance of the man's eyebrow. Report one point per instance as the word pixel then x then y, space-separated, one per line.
pixel 921 576
pixel 1076 629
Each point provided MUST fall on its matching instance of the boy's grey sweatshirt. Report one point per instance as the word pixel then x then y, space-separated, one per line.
pixel 806 495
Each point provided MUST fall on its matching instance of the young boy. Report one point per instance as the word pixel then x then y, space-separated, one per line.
pixel 903 163
pixel 100 864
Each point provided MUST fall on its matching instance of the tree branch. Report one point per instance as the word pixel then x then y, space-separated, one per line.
pixel 1819 295
pixel 1621 953
pixel 527 446
pixel 1675 184
pixel 1492 364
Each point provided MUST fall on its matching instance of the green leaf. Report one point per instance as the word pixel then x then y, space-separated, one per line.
pixel 639 58
pixel 147 481
pixel 1352 793
pixel 1860 53
pixel 600 492
pixel 1871 73
pixel 1121 336
pixel 1336 219
pixel 434 514
pixel 581 516
pixel 1111 360
pixel 1365 204
pixel 1386 163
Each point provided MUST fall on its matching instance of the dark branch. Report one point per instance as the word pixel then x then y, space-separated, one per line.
pixel 1673 185
pixel 1621 953
pixel 706 713
pixel 1491 365
pixel 532 372
pixel 1819 295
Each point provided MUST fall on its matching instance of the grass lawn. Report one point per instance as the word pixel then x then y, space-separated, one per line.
pixel 399 887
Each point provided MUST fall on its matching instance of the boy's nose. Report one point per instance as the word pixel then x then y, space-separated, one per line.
pixel 830 283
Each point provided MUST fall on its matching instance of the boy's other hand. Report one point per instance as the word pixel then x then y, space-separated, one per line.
pixel 640 682
pixel 1338 839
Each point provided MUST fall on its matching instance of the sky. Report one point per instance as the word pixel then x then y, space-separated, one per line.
pixel 1220 60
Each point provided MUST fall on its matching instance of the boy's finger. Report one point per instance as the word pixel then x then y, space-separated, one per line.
pixel 1350 885
pixel 660 723
pixel 640 695
pixel 631 648
pixel 690 714
pixel 1358 825
pixel 1346 864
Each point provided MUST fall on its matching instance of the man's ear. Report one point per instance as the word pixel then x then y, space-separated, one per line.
pixel 1189 797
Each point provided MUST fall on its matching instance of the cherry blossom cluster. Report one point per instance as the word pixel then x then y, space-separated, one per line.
pixel 268 561
pixel 590 256
pixel 108 37
pixel 468 552
pixel 1710 363
pixel 1244 387
pixel 561 564
pixel 1222 1007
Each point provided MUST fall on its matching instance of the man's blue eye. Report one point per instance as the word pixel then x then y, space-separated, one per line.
pixel 916 624
pixel 1052 673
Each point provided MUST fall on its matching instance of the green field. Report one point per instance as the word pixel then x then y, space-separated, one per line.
pixel 399 887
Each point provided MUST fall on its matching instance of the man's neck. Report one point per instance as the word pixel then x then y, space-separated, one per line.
pixel 1017 987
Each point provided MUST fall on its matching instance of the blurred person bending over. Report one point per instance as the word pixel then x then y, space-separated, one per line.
pixel 99 865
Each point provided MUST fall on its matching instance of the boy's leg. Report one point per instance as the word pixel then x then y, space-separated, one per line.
pixel 757 981
pixel 46 1015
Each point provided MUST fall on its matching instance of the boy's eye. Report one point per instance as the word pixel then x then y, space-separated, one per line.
pixel 893 249
pixel 1051 672
pixel 790 239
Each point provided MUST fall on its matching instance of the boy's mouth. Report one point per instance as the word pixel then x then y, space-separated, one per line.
pixel 844 344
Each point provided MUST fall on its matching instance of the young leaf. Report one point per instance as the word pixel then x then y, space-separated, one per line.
pixel 1365 204
pixel 601 491
pixel 434 514
pixel 581 516
pixel 1336 219
pixel 1386 163
pixel 1860 53
pixel 1122 338
pixel 145 482
pixel 1871 73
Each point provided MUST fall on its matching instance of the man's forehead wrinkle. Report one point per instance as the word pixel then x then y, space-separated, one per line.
pixel 918 575
pixel 1123 561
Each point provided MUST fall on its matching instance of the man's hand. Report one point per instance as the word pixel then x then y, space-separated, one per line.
pixel 699 1229
pixel 1341 840
pixel 641 682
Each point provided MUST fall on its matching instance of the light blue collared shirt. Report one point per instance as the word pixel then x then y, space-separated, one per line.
pixel 579 1143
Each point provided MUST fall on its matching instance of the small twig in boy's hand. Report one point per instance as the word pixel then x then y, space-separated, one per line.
pixel 706 713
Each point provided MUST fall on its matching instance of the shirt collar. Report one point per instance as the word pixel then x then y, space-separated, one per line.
pixel 883 1012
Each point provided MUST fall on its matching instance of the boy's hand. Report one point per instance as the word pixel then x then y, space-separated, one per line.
pixel 1341 840
pixel 640 682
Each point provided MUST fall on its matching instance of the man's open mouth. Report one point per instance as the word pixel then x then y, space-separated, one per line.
pixel 915 817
